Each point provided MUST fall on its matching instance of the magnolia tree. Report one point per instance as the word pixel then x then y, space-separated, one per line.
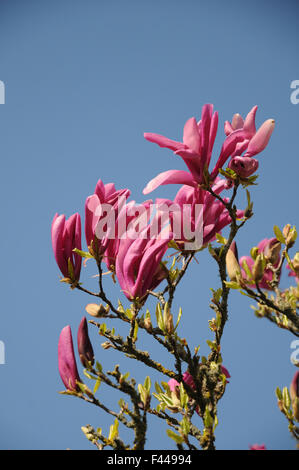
pixel 148 248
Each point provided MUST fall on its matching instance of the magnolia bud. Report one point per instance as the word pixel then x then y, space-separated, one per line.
pixel 258 268
pixel 272 251
pixel 232 264
pixel 96 310
pixel 168 320
pixel 286 230
pixel 148 324
pixel 84 345
pixel 290 235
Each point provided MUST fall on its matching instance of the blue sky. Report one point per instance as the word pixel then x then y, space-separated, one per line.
pixel 84 80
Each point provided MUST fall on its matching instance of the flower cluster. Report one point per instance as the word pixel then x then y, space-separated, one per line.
pixel 110 220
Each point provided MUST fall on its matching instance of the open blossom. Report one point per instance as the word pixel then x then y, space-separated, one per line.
pixel 128 215
pixel 67 365
pixel 188 379
pixel 270 248
pixel 101 212
pixel 195 210
pixel 66 235
pixel 138 263
pixel 198 142
pixel 85 348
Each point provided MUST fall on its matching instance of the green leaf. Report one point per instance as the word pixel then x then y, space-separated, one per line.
pixel 212 345
pixel 208 420
pixel 147 384
pixel 183 396
pixel 159 317
pixel 232 285
pixel 278 393
pixel 96 386
pixel 221 239
pixel 278 234
pixel 158 388
pixel 83 254
pixel 167 400
pixel 113 430
pixel 174 436
pixel 185 425
pixel 88 375
pixel 166 387
pixel 246 269
pixel 135 332
pixel 179 318
pixel 286 398
pixel 129 314
pixel 120 307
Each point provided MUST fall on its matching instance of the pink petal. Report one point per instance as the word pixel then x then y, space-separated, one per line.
pixel 260 140
pixel 191 135
pixel 163 141
pixel 249 123
pixel 170 177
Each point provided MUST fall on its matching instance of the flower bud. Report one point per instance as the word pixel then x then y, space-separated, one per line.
pixel 291 237
pixel 148 324
pixel 272 251
pixel 66 360
pixel 286 230
pixel 232 264
pixel 243 166
pixel 168 320
pixel 258 268
pixel 96 310
pixel 84 345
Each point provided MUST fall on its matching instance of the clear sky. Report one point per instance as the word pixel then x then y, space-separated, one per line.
pixel 84 80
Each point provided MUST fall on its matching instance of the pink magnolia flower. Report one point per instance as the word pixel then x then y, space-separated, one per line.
pixel 253 143
pixel 67 365
pixel 128 214
pixel 198 141
pixel 173 384
pixel 66 235
pixel 294 394
pixel 266 247
pixel 243 166
pixel 188 379
pixel 211 218
pixel 84 345
pixel 138 263
pixel 102 208
pixel 258 447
